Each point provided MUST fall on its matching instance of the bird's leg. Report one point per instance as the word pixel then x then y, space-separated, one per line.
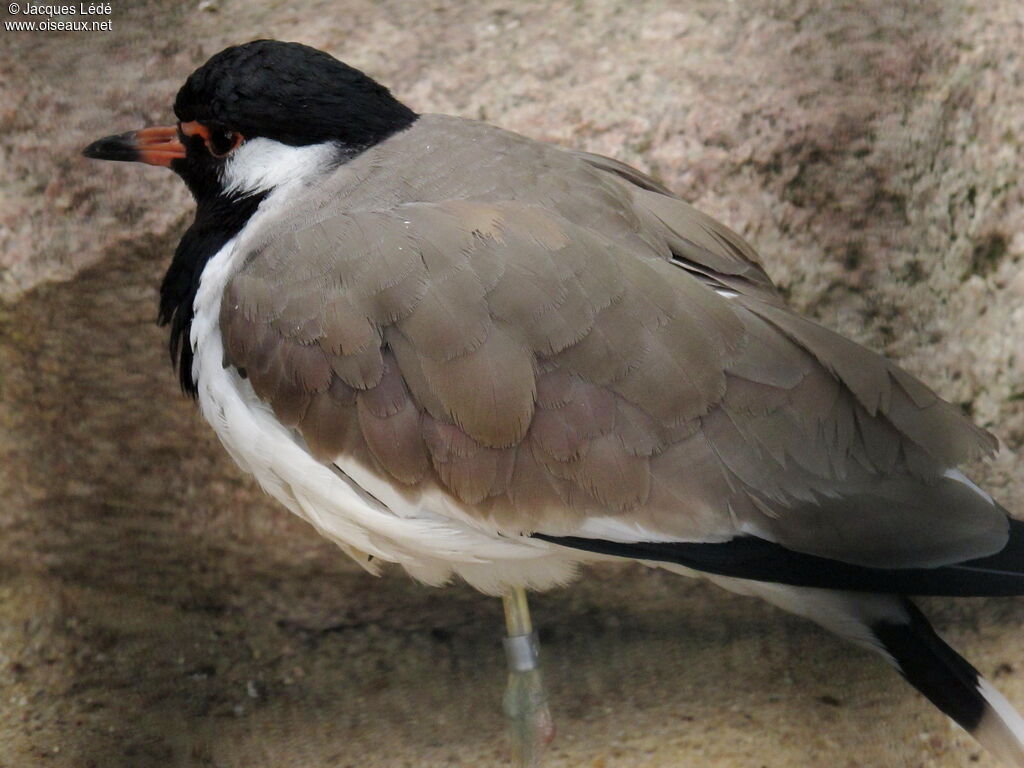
pixel 526 700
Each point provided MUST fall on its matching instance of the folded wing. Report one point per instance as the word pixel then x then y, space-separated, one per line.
pixel 632 381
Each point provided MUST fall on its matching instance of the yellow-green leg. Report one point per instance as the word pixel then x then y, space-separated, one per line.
pixel 526 700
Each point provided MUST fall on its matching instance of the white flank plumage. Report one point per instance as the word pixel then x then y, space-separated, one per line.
pixel 348 503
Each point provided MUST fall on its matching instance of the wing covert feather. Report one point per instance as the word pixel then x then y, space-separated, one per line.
pixel 542 364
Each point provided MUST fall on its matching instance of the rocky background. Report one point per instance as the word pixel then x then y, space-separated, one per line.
pixel 157 610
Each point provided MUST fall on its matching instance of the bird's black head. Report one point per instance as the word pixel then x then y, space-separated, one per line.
pixel 247 114
pixel 252 120
pixel 290 93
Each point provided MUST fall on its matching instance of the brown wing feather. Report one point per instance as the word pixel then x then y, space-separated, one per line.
pixel 544 362
pixel 692 237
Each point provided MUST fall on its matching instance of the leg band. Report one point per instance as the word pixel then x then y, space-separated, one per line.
pixel 522 653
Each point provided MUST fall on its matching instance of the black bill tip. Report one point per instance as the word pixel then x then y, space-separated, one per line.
pixel 156 145
pixel 123 147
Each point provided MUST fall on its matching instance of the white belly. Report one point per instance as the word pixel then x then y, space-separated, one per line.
pixel 349 504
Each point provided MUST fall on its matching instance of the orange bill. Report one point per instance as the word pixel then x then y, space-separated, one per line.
pixel 156 145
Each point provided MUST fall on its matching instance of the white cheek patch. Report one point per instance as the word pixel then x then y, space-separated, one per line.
pixel 261 164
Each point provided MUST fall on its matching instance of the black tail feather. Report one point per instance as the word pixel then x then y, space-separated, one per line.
pixel 749 557
pixel 924 659
pixel 948 681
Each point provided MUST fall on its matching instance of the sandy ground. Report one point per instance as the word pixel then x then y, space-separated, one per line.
pixel 156 610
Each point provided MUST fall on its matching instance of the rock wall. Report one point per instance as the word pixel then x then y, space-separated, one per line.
pixel 157 610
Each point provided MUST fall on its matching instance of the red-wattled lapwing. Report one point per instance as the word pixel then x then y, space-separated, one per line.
pixel 470 353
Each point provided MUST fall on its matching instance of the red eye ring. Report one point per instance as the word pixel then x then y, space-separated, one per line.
pixel 219 142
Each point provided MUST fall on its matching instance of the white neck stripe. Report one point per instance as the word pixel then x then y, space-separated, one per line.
pixel 261 165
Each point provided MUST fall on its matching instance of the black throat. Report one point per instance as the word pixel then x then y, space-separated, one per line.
pixel 218 219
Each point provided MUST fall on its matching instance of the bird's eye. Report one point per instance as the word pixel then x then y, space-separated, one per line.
pixel 222 142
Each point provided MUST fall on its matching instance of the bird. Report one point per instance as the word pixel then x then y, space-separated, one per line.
pixel 480 356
